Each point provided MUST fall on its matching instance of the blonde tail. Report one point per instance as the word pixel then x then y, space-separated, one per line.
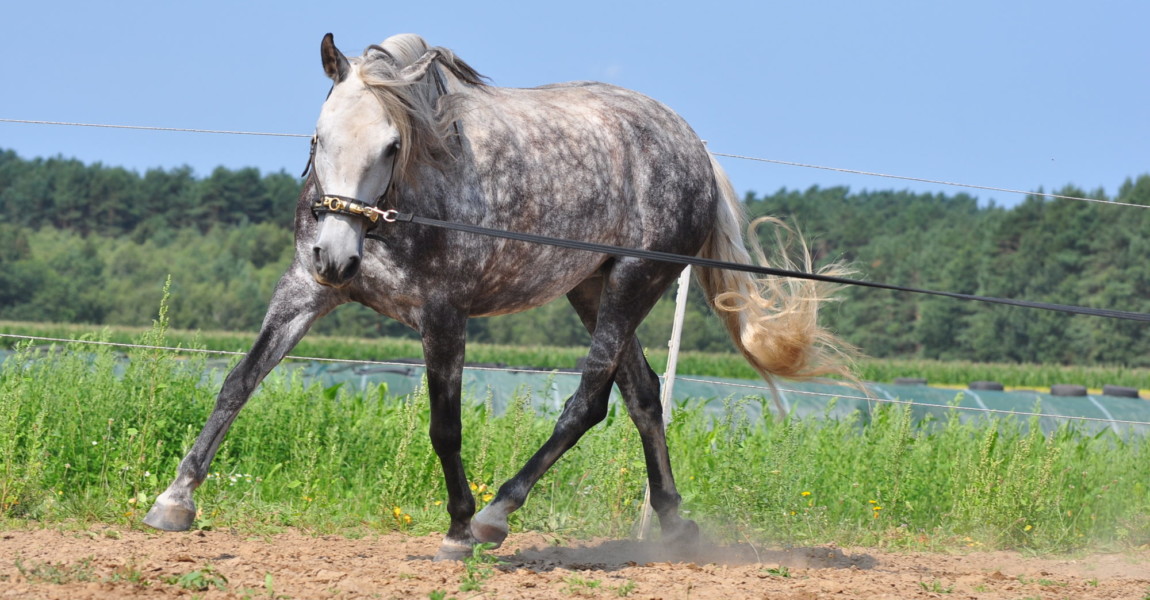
pixel 772 320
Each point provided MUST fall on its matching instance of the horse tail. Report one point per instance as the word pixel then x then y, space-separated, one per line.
pixel 772 320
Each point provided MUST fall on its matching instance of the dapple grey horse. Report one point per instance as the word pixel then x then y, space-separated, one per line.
pixel 411 127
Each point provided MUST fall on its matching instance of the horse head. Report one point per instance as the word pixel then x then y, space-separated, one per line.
pixel 353 154
pixel 384 119
pixel 378 103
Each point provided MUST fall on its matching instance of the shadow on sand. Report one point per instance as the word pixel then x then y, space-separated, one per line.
pixel 612 555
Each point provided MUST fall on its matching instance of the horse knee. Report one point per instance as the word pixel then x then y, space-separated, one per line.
pixel 446 440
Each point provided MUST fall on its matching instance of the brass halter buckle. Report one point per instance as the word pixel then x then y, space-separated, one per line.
pixel 347 206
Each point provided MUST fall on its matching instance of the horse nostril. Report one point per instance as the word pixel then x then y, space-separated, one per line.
pixel 351 269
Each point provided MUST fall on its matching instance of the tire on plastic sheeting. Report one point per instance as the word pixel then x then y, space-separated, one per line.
pixel 910 381
pixel 1067 389
pixel 992 386
pixel 1119 391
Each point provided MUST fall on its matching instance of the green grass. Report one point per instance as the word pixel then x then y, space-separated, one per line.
pixel 82 441
pixel 47 572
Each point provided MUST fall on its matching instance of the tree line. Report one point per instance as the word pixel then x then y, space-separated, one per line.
pixel 94 244
pixel 1050 250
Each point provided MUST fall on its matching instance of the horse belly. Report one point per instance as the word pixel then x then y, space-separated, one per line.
pixel 538 276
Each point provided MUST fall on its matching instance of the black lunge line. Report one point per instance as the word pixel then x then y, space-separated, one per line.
pixel 392 216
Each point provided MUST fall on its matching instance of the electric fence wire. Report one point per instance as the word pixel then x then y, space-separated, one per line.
pixel 735 156
pixel 756 388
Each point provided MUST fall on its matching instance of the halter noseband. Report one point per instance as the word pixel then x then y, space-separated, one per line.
pixel 332 203
pixel 346 206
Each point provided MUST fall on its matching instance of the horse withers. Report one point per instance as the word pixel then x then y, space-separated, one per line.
pixel 411 127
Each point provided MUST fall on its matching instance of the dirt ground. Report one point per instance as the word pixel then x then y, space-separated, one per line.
pixel 104 563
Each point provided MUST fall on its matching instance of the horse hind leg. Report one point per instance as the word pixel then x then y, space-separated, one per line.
pixel 582 411
pixel 640 387
pixel 630 290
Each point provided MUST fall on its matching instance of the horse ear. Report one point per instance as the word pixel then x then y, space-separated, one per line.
pixel 334 62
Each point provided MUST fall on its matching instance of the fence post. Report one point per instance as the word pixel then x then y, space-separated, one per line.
pixel 668 382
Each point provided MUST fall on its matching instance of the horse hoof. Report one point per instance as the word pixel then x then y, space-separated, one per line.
pixel 170 516
pixel 684 534
pixel 453 550
pixel 488 530
pixel 488 534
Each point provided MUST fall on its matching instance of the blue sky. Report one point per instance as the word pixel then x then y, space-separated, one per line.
pixel 1013 94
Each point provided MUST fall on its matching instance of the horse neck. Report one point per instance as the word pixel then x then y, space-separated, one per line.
pixel 441 192
pixel 442 187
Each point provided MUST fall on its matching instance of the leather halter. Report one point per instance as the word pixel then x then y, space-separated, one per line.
pixel 345 205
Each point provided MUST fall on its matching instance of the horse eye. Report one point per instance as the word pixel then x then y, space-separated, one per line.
pixel 391 149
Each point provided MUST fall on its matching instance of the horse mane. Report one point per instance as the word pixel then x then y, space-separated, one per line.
pixel 406 76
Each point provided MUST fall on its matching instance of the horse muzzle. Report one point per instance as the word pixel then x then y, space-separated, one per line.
pixel 338 250
pixel 331 270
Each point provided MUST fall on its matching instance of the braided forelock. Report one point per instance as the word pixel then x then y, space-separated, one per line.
pixel 413 104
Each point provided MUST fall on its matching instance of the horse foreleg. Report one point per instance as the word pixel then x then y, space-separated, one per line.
pixel 444 338
pixel 296 304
